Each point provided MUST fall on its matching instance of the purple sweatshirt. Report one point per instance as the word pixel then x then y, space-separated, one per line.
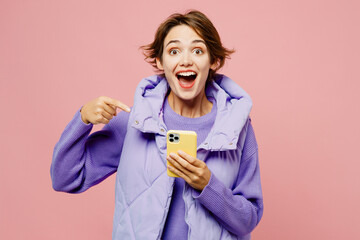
pixel 226 209
pixel 175 226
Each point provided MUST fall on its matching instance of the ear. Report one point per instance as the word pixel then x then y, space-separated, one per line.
pixel 158 64
pixel 214 66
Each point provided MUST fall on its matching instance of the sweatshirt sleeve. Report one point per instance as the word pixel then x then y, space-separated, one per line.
pixel 239 210
pixel 81 160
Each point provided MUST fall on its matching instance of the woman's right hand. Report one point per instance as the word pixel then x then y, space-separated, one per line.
pixel 101 110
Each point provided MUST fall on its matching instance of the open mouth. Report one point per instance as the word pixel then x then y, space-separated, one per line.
pixel 186 79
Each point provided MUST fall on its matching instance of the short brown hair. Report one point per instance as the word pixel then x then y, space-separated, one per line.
pixel 201 25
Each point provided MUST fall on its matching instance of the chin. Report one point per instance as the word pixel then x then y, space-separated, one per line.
pixel 189 96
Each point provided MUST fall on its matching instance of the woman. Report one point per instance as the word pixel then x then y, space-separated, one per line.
pixel 218 194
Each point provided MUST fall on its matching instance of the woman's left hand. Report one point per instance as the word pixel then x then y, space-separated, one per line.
pixel 192 170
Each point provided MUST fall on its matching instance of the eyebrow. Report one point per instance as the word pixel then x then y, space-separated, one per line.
pixel 178 41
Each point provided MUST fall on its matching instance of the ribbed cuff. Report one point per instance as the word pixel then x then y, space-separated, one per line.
pixel 215 197
pixel 207 194
pixel 76 126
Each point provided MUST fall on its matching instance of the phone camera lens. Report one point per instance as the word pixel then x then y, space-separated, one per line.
pixel 171 140
pixel 171 135
pixel 176 138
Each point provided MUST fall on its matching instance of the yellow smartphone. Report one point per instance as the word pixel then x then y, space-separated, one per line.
pixel 180 140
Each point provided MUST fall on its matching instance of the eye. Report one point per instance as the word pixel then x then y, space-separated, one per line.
pixel 198 51
pixel 173 51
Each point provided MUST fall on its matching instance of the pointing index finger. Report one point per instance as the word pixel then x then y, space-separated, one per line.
pixel 116 103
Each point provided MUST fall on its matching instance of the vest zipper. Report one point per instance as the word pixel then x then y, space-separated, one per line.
pixel 186 209
pixel 166 211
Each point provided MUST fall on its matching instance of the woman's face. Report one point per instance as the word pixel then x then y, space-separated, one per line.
pixel 185 62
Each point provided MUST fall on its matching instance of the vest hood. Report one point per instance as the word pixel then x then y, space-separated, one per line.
pixel 233 104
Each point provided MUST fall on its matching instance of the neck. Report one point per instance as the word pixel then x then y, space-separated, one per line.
pixel 197 107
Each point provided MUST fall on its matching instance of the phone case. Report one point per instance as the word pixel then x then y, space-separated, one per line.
pixel 180 140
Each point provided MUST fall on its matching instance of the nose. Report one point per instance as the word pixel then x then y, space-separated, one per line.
pixel 186 59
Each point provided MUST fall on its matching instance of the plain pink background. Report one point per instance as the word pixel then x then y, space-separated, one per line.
pixel 299 60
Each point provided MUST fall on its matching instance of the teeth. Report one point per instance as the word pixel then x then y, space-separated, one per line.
pixel 186 74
